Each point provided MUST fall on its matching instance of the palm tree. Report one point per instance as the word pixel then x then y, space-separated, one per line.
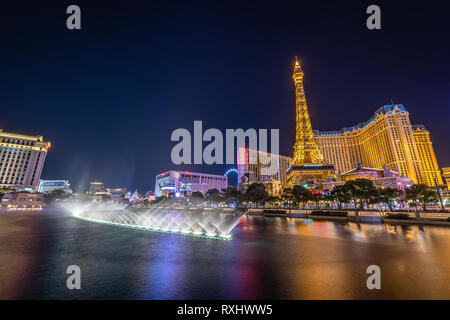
pixel 196 197
pixel 301 194
pixel 288 197
pixel 421 194
pixel 232 195
pixel 341 194
pixel 362 191
pixel 214 195
pixel 256 192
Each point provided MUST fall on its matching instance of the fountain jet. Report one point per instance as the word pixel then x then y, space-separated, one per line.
pixel 213 223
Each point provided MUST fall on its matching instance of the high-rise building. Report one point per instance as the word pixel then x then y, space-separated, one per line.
pixel 431 173
pixel 94 187
pixel 308 167
pixel 21 160
pixel 251 167
pixel 386 138
pixel 178 182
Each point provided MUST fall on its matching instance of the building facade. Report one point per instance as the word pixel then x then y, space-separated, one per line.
pixel 22 159
pixel 273 188
pixel 387 138
pixel 446 174
pixel 431 172
pixel 47 186
pixel 22 200
pixel 179 182
pixel 381 178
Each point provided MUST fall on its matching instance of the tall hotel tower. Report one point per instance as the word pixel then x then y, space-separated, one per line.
pixel 308 167
pixel 21 160
pixel 387 138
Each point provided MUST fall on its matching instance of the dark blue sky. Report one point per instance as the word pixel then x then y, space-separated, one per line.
pixel 109 96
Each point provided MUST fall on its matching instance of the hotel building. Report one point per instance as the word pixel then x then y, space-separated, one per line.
pixel 21 160
pixel 386 138
pixel 426 153
pixel 178 182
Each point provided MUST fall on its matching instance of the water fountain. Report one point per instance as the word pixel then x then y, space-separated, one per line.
pixel 198 222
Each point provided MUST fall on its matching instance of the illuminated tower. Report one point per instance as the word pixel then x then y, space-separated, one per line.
pixel 306 150
pixel 307 168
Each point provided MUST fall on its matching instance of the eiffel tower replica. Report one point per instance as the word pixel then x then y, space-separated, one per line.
pixel 308 167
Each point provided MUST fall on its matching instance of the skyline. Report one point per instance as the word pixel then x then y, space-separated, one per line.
pixel 217 158
pixel 106 72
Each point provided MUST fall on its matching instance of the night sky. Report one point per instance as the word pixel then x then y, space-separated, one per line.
pixel 109 95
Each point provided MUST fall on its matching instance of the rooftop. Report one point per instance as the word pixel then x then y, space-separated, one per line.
pixel 386 109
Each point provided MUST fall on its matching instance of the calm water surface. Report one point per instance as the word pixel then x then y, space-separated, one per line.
pixel 268 258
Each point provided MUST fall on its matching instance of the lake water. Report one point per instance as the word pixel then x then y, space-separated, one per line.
pixel 268 258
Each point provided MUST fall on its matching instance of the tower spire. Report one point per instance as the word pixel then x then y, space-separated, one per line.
pixel 296 63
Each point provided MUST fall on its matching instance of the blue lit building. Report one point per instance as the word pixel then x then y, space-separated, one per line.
pixel 179 182
pixel 47 186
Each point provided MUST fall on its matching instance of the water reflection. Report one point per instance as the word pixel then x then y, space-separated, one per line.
pixel 274 258
pixel 384 233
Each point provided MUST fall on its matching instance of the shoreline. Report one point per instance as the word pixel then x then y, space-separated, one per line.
pixel 370 219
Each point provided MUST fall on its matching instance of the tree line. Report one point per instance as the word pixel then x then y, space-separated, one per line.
pixel 360 193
